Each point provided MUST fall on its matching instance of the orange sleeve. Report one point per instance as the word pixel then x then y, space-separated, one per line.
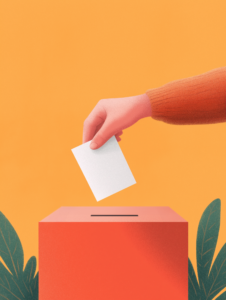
pixel 199 99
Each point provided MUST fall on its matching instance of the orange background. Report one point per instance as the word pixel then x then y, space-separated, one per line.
pixel 59 58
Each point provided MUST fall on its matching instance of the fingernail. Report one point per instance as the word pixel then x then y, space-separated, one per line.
pixel 93 145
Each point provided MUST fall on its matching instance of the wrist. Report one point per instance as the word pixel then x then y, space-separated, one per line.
pixel 145 103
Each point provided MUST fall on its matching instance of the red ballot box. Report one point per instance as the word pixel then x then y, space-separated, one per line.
pixel 113 253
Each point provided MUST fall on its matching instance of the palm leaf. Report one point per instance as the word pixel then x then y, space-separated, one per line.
pixel 193 286
pixel 34 286
pixel 20 285
pixel 9 286
pixel 217 277
pixel 11 249
pixel 207 236
pixel 29 271
pixel 30 280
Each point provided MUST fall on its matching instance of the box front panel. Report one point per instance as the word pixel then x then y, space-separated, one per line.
pixel 99 261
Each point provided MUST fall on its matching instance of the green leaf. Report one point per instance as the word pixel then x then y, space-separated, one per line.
pixel 11 249
pixel 193 286
pixel 16 288
pixel 5 277
pixel 21 285
pixel 222 296
pixel 29 271
pixel 207 236
pixel 9 286
pixel 217 277
pixel 35 286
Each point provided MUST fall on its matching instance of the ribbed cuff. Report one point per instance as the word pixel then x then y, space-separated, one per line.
pixel 195 100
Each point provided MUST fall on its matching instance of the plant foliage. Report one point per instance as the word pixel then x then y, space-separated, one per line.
pixel 16 283
pixel 211 281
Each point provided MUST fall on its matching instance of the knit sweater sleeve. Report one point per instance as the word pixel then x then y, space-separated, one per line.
pixel 199 99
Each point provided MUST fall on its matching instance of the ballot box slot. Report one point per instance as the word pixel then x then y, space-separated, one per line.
pixel 114 215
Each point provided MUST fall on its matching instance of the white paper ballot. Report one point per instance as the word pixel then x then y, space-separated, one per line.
pixel 105 169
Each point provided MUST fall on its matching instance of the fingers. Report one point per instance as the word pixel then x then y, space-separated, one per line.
pixel 117 136
pixel 119 133
pixel 103 135
pixel 93 123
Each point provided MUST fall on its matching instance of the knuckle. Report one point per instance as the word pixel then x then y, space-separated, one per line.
pixel 100 102
pixel 86 122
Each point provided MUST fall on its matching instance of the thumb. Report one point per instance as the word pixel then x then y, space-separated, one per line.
pixel 102 136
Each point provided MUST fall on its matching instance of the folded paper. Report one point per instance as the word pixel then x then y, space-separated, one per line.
pixel 105 169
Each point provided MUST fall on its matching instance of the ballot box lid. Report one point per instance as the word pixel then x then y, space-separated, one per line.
pixel 114 214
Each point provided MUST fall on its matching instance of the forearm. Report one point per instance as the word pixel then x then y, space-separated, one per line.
pixel 195 100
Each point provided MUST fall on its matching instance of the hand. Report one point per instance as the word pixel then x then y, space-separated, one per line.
pixel 110 116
